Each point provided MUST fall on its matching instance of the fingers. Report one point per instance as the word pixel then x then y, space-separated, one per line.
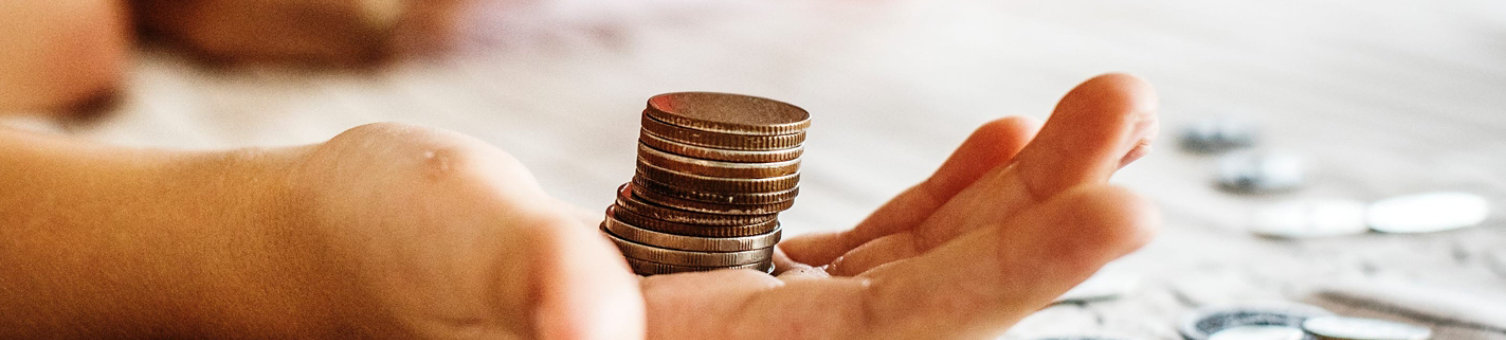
pixel 984 281
pixel 1093 130
pixel 990 146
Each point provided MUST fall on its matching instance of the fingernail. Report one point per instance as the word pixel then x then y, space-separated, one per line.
pixel 1140 150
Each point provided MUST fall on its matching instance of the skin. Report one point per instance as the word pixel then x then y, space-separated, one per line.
pixel 395 231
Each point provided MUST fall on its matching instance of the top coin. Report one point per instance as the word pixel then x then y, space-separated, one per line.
pixel 728 113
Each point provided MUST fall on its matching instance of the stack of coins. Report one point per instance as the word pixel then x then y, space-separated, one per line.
pixel 714 171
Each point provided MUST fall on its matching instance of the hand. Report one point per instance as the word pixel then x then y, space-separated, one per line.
pixel 429 234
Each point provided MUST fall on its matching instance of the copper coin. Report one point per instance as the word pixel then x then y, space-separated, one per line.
pixel 717 140
pixel 686 229
pixel 709 168
pixel 646 268
pixel 713 197
pixel 689 182
pixel 711 208
pixel 728 113
pixel 690 243
pixel 632 203
pixel 689 258
pixel 743 156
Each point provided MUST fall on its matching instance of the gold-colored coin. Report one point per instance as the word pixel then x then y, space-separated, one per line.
pixel 686 229
pixel 713 184
pixel 717 140
pixel 646 268
pixel 689 258
pixel 744 156
pixel 711 208
pixel 718 169
pixel 728 113
pixel 690 243
pixel 714 197
pixel 632 203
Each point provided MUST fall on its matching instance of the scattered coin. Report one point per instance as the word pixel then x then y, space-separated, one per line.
pixel 1260 172
pixel 1343 328
pixel 1259 333
pixel 1203 323
pixel 1427 212
pixel 1218 135
pixel 1310 218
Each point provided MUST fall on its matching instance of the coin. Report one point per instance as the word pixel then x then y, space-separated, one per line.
pixel 1427 212
pixel 717 140
pixel 714 197
pixel 663 226
pixel 689 258
pixel 690 243
pixel 1260 172
pixel 645 267
pixel 1259 333
pixel 633 203
pixel 1310 218
pixel 716 169
pixel 746 156
pixel 1204 322
pixel 714 184
pixel 1218 135
pixel 728 113
pixel 712 208
pixel 1342 328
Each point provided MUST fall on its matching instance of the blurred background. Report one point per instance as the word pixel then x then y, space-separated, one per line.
pixel 1378 98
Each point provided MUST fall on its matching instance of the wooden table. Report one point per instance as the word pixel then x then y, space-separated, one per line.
pixel 1382 97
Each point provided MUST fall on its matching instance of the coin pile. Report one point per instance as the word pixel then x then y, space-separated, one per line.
pixel 714 170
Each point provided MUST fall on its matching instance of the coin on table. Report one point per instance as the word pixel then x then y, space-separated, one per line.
pixel 1343 328
pixel 725 155
pixel 662 226
pixel 712 208
pixel 717 140
pixel 1427 212
pixel 713 184
pixel 1260 172
pixel 632 203
pixel 1218 135
pixel 688 258
pixel 1310 218
pixel 752 198
pixel 1259 333
pixel 690 243
pixel 718 169
pixel 728 113
pixel 1204 322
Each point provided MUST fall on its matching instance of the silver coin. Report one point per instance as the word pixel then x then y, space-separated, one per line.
pixel 1259 333
pixel 1342 328
pixel 1218 135
pixel 1260 172
pixel 1310 218
pixel 1204 322
pixel 1427 212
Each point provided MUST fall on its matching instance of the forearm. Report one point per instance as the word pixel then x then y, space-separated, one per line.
pixel 110 241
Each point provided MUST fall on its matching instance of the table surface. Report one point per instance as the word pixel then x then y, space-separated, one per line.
pixel 1382 97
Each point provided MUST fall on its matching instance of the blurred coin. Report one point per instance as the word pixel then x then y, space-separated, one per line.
pixel 1260 172
pixel 689 258
pixel 714 184
pixel 715 197
pixel 1204 322
pixel 663 226
pixel 1309 218
pixel 1342 328
pixel 1259 333
pixel 728 113
pixel 717 169
pixel 632 203
pixel 711 208
pixel 717 140
pixel 645 267
pixel 1085 337
pixel 1428 212
pixel 690 243
pixel 746 156
pixel 1218 135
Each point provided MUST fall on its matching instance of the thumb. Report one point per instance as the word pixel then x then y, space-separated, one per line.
pixel 583 288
